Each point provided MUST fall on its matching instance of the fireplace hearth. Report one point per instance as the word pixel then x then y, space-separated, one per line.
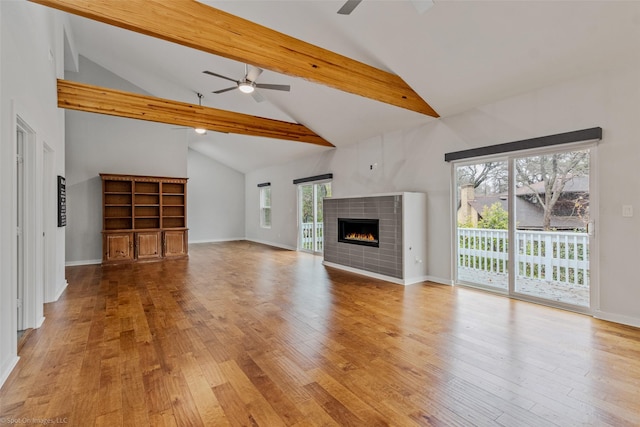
pixel 363 232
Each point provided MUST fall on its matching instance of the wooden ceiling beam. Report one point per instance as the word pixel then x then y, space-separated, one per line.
pixel 198 26
pixel 95 99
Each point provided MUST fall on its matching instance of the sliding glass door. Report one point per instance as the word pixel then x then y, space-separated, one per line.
pixel 523 226
pixel 552 217
pixel 482 224
pixel 310 205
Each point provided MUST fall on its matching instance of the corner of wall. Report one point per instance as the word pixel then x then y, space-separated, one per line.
pixel 6 367
pixel 617 318
pixel 60 289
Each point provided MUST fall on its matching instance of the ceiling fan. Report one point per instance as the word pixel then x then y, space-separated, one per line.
pixel 420 5
pixel 248 83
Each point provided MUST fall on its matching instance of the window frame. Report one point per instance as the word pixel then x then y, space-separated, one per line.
pixel 265 208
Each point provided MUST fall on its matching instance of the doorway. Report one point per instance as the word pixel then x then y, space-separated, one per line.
pixel 31 201
pixel 21 136
pixel 310 216
pixel 524 225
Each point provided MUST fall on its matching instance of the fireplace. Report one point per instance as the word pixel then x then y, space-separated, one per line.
pixel 358 231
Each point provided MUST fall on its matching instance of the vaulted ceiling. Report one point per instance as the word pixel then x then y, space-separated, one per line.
pixel 456 56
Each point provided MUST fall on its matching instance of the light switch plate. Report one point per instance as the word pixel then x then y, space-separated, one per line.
pixel 627 211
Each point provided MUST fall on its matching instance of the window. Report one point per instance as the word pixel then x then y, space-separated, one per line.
pixel 265 207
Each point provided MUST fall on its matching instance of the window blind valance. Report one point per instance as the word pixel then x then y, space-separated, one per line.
pixel 526 144
pixel 313 178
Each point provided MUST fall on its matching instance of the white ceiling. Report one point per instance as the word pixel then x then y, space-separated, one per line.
pixel 457 56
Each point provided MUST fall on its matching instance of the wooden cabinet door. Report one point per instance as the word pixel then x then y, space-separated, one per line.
pixel 175 243
pixel 118 247
pixel 148 245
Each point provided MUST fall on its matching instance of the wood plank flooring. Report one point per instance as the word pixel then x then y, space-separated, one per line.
pixel 241 334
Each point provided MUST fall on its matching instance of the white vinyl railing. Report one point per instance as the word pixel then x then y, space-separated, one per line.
pixel 550 256
pixel 307 236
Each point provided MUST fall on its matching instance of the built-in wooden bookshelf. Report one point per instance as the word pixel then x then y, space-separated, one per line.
pixel 144 217
pixel 173 205
pixel 146 202
pixel 118 205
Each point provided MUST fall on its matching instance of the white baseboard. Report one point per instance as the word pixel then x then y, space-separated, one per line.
pixel 61 290
pixel 40 322
pixel 440 280
pixel 415 280
pixel 83 262
pixel 277 245
pixel 7 367
pixel 231 239
pixel 617 318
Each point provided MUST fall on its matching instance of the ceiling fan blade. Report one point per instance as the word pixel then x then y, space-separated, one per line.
pixel 225 90
pixel 219 75
pixel 348 7
pixel 257 96
pixel 285 88
pixel 253 73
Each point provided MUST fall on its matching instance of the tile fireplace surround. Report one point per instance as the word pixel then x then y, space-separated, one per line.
pixel 401 255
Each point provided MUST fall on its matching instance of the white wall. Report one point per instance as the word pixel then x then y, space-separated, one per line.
pixel 283 231
pixel 215 200
pixel 413 160
pixel 31 38
pixel 98 143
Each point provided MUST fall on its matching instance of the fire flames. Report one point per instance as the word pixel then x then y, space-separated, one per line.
pixel 360 236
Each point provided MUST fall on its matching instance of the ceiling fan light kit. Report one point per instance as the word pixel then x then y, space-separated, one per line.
pixel 246 87
pixel 248 83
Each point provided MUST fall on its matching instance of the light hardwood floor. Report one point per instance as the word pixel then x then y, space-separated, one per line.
pixel 243 334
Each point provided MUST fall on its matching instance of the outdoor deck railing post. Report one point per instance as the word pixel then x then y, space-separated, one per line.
pixel 307 235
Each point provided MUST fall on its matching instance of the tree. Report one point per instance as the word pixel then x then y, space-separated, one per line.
pixel 323 190
pixel 553 171
pixel 307 203
pixel 494 217
pixel 490 177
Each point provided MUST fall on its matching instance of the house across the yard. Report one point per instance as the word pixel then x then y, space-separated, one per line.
pixel 570 212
